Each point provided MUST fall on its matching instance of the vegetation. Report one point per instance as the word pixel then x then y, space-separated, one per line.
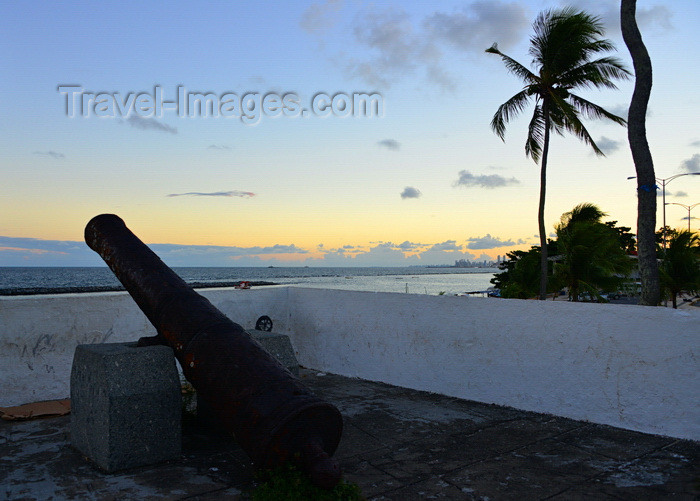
pixel 562 47
pixel 520 278
pixel 593 255
pixel 289 484
pixel 680 268
pixel 588 257
pixel 643 162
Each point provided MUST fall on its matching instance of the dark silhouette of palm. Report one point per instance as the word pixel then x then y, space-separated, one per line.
pixel 680 268
pixel 563 46
pixel 591 255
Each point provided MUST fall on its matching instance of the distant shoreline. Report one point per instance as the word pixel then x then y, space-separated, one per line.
pixel 33 291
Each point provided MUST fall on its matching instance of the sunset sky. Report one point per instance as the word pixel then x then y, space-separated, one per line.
pixel 423 181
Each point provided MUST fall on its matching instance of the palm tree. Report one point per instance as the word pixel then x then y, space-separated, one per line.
pixel 562 48
pixel 680 268
pixel 643 161
pixel 591 254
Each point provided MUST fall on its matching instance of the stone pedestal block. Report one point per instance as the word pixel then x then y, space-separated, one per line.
pixel 126 405
pixel 280 347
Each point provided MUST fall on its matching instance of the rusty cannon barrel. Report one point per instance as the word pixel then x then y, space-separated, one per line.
pixel 273 416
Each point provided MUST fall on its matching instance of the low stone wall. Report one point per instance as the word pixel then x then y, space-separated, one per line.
pixel 628 366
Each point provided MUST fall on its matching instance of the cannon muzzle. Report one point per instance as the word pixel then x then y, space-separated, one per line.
pixel 273 416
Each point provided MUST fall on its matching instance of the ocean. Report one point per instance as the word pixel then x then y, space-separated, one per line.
pixel 412 280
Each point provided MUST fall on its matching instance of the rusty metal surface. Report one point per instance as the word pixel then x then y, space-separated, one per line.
pixel 273 416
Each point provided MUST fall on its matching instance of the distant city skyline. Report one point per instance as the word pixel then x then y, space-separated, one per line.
pixel 312 133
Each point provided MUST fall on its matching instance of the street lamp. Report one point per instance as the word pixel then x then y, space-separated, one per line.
pixel 664 182
pixel 689 207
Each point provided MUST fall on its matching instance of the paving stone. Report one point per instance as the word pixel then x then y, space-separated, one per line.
pixel 608 441
pixel 398 444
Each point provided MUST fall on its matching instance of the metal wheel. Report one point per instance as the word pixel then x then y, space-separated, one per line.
pixel 264 323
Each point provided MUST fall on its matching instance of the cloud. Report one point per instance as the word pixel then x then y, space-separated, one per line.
pixel 235 193
pixel 320 16
pixel 680 194
pixel 222 250
pixel 410 192
pixel 489 242
pixel 490 181
pixel 391 38
pixel 218 147
pixel 390 144
pixel 149 124
pixel 477 25
pixel 695 143
pixel 52 154
pixel 37 252
pixel 622 110
pixel 448 245
pixel 409 246
pixel 397 46
pixel 608 145
pixel 655 18
pixel 691 164
pixel 15 251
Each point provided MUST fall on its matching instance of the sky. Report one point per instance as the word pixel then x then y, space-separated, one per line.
pixel 312 133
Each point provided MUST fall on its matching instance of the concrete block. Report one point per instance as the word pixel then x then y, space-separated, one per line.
pixel 280 347
pixel 126 405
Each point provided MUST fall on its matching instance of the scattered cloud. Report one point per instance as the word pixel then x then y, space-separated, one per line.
pixel 409 246
pixel 320 17
pixel 410 192
pixel 655 18
pixel 448 245
pixel 15 251
pixel 489 242
pixel 234 193
pixel 490 181
pixel 477 25
pixel 608 145
pixel 622 110
pixel 396 45
pixel 390 144
pixel 679 194
pixel 218 147
pixel 37 252
pixel 691 164
pixel 52 154
pixel 145 123
pixel 695 143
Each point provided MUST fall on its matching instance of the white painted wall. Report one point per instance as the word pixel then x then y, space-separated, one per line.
pixel 38 334
pixel 628 366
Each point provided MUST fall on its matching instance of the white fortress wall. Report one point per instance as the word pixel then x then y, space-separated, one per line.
pixel 628 366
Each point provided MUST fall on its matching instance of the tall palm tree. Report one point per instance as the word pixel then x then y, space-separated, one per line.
pixel 641 154
pixel 563 46
pixel 591 253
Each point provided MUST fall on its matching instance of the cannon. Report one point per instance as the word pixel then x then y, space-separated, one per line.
pixel 273 416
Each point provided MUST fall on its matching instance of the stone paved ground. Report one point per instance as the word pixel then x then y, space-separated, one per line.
pixel 397 444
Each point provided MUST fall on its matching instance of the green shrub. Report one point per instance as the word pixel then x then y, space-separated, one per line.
pixel 289 484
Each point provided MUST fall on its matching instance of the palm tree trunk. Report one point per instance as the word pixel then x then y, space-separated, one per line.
pixel 540 212
pixel 643 162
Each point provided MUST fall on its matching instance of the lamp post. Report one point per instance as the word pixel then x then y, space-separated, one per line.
pixel 664 182
pixel 689 207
